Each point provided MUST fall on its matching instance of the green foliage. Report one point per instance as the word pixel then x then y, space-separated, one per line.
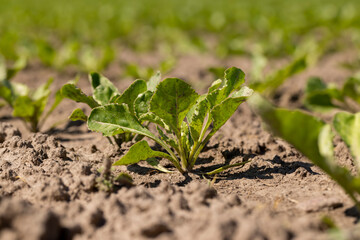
pixel 27 104
pixel 91 32
pixel 272 81
pixel 314 139
pixel 322 97
pixel 106 97
pixel 185 121
pixel 135 71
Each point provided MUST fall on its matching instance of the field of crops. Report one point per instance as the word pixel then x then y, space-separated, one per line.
pixel 179 119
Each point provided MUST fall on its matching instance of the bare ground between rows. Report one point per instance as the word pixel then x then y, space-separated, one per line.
pixel 48 183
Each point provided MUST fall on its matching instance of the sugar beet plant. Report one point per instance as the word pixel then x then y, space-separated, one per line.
pixel 185 120
pixel 314 138
pixel 27 104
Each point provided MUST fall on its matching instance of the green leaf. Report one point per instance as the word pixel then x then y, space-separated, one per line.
pixel 278 77
pixel 298 128
pixel 154 81
pixel 43 91
pixel 151 117
pixel 3 74
pixel 5 93
pixel 223 111
pixel 131 93
pixel 186 139
pixel 215 85
pixel 142 103
pixel 351 89
pixel 223 168
pixel 319 97
pixel 172 100
pixel 103 88
pixel 77 115
pixel 24 107
pixel 196 118
pixel 156 164
pixel 234 78
pixel 71 91
pixel 18 65
pixel 348 127
pixel 113 119
pixel 140 151
pixel 58 99
pixel 311 136
pixel 325 142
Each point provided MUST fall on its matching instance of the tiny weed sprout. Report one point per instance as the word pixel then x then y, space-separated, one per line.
pixel 105 93
pixel 27 104
pixel 185 121
pixel 322 97
pixel 314 139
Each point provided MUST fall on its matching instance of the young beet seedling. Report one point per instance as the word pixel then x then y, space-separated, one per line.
pixel 185 121
pixel 27 104
pixel 105 93
pixel 322 97
pixel 314 139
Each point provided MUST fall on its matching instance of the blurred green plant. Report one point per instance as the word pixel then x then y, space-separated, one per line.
pixel 323 97
pixel 87 33
pixel 138 72
pixel 27 104
pixel 314 138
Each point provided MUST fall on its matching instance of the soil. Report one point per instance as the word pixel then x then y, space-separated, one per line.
pixel 52 183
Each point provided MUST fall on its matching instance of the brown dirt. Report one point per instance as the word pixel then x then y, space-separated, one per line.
pixel 49 183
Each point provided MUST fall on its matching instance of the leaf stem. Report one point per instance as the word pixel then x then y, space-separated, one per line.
pixel 198 143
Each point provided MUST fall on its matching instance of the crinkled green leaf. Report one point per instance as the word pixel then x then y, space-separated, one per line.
pixel 142 103
pixel 140 151
pixel 71 91
pixel 223 111
pixel 154 81
pixel 77 115
pixel 215 85
pixel 113 119
pixel 172 100
pixel 131 93
pixel 348 127
pixel 151 117
pixel 103 88
pixel 234 78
